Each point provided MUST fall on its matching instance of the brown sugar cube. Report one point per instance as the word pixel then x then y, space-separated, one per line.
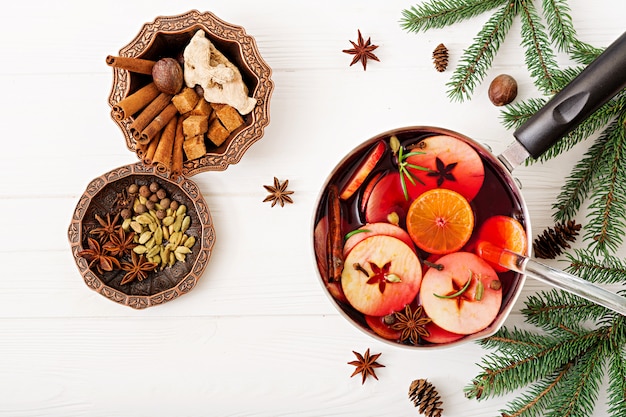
pixel 194 147
pixel 217 133
pixel 230 117
pixel 195 126
pixel 203 108
pixel 186 100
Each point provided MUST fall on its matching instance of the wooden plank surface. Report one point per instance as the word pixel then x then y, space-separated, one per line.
pixel 257 336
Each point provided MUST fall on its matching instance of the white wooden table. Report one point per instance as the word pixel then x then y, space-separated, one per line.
pixel 257 336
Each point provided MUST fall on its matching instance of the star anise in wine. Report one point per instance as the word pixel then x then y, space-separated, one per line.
pixel 98 256
pixel 381 275
pixel 443 172
pixel 362 51
pixel 120 244
pixel 411 324
pixel 365 365
pixel 138 268
pixel 278 193
pixel 108 227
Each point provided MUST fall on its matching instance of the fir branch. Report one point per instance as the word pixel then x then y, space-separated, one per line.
pixel 579 392
pixel 477 58
pixel 538 397
pixel 539 57
pixel 559 311
pixel 604 270
pixel 506 340
pixel 562 33
pixel 616 390
pixel 579 183
pixel 442 13
pixel 583 53
pixel 502 374
pixel 607 224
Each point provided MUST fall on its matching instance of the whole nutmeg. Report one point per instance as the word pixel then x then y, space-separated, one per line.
pixel 167 75
pixel 502 90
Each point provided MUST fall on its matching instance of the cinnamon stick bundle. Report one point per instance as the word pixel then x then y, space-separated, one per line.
pixel 177 152
pixel 138 65
pixel 135 101
pixel 163 155
pixel 151 149
pixel 140 150
pixel 158 123
pixel 148 114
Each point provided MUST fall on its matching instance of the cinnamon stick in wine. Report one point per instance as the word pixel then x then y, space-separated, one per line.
pixel 334 243
pixel 135 101
pixel 158 123
pixel 163 154
pixel 138 65
pixel 148 114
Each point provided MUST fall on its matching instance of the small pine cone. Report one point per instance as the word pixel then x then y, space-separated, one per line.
pixel 423 394
pixel 552 241
pixel 440 57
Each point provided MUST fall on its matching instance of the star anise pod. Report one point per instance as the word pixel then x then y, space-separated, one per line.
pixel 120 244
pixel 411 324
pixel 107 227
pixel 365 365
pixel 98 256
pixel 138 268
pixel 362 51
pixel 382 276
pixel 443 172
pixel 278 193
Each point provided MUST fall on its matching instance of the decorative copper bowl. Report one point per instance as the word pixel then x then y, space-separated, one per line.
pixel 167 36
pixel 162 285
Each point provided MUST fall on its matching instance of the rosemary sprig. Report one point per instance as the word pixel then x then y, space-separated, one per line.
pixel 403 164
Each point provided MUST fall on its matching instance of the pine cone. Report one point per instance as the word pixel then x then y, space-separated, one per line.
pixel 440 57
pixel 551 243
pixel 423 394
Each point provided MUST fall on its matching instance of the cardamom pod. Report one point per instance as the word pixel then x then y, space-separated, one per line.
pixel 144 237
pixel 185 224
pixel 140 249
pixel 190 241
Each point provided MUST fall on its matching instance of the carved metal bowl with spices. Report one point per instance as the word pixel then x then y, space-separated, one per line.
pixel 190 93
pixel 141 238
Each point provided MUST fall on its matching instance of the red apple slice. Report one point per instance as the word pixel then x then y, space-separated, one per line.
pixel 363 170
pixel 367 191
pixel 381 275
pixel 475 308
pixel 504 232
pixel 372 229
pixel 453 164
pixel 378 325
pixel 438 335
pixel 387 197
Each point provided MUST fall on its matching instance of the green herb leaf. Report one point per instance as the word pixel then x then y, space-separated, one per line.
pixel 459 292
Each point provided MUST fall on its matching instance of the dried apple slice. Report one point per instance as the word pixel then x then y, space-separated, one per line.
pixel 465 296
pixel 381 275
pixel 366 166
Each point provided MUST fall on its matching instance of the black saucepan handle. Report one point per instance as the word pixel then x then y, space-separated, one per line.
pixel 596 85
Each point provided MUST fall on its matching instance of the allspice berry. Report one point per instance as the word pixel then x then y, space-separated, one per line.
pixel 502 90
pixel 167 75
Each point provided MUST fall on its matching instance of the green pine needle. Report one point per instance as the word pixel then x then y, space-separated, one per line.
pixel 540 59
pixel 477 58
pixel 562 33
pixel 442 13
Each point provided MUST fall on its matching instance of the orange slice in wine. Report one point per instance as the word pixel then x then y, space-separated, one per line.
pixel 440 221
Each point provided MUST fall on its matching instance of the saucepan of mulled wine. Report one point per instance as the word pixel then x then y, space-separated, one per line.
pixel 422 237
